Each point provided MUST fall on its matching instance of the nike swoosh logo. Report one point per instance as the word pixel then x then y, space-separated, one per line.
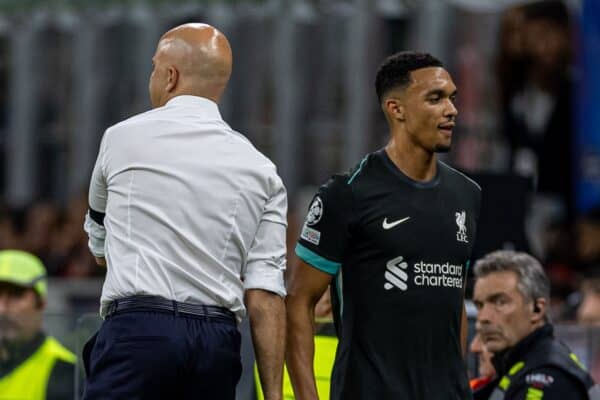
pixel 390 225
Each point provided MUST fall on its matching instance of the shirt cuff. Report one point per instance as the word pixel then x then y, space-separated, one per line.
pixel 266 277
pixel 96 234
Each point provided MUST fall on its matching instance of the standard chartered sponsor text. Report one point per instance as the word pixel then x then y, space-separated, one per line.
pixel 430 274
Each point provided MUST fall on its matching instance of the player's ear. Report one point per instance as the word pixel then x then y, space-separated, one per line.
pixel 394 108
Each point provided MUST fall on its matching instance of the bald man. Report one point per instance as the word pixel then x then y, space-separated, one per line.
pixel 189 219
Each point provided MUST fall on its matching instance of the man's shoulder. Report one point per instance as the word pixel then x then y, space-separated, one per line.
pixel 369 170
pixel 342 182
pixel 461 186
pixel 140 120
pixel 148 116
pixel 249 148
pixel 546 375
pixel 334 190
pixel 355 180
pixel 460 178
pixel 549 381
pixel 551 369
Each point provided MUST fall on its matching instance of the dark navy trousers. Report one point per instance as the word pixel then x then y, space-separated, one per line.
pixel 161 355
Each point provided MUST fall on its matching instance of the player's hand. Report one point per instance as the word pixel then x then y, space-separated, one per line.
pixel 323 308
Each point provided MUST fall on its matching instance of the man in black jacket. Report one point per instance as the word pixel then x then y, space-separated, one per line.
pixel 512 296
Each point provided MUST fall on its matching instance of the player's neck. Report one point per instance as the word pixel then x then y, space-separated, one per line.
pixel 414 161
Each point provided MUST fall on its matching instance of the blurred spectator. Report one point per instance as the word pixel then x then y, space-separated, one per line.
pixel 33 366
pixel 39 223
pixel 510 66
pixel 560 261
pixel 52 234
pixel 588 312
pixel 588 239
pixel 571 251
pixel 78 260
pixel 8 237
pixel 480 385
pixel 536 96
pixel 589 309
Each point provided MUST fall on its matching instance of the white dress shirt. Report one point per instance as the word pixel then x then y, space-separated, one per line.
pixel 193 212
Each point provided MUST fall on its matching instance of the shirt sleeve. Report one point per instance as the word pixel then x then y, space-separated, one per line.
pixel 324 235
pixel 266 260
pixel 548 384
pixel 97 197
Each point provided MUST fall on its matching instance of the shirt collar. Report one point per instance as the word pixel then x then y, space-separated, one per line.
pixel 206 107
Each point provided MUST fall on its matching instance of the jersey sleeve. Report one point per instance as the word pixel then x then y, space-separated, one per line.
pixel 547 383
pixel 325 232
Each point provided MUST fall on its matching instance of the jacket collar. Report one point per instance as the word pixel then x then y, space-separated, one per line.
pixel 16 354
pixel 505 359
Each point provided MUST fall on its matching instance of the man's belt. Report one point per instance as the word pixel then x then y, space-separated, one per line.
pixel 157 303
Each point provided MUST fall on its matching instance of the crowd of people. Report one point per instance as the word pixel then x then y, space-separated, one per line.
pixel 53 233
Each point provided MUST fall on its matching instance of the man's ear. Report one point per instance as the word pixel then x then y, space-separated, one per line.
pixel 539 310
pixel 172 78
pixel 394 108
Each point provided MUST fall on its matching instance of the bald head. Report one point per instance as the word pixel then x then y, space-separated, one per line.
pixel 193 59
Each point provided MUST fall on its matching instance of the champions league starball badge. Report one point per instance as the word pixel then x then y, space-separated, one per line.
pixel 315 212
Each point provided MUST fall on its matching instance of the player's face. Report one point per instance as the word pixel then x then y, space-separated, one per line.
pixel 20 313
pixel 589 310
pixel 429 109
pixel 504 318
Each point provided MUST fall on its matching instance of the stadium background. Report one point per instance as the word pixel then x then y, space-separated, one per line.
pixel 302 92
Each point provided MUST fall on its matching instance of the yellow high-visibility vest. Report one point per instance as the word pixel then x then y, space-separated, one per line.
pixel 325 347
pixel 29 380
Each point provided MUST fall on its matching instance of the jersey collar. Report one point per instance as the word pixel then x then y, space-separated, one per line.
pixel 394 169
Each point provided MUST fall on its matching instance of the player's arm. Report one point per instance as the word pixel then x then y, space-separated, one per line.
pixel 94 219
pixel 321 248
pixel 306 285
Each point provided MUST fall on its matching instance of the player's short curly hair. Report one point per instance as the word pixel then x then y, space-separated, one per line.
pixel 394 71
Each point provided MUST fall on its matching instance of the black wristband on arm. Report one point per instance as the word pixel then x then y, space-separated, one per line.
pixel 97 216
